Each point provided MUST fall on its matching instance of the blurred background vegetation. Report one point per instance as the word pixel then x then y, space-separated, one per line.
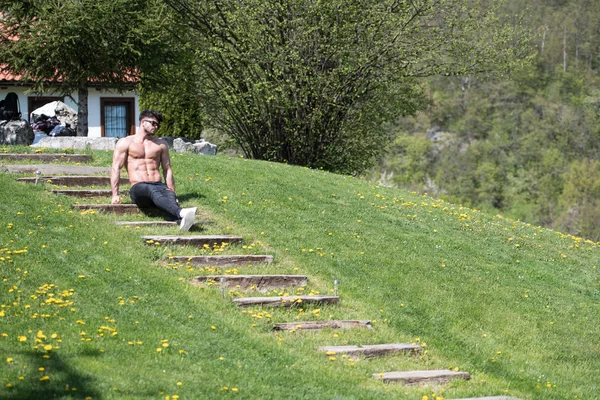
pixel 526 145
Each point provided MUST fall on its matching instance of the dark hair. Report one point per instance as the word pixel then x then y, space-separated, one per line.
pixel 152 114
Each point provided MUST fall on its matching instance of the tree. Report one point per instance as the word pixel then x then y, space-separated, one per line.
pixel 177 95
pixel 310 82
pixel 68 45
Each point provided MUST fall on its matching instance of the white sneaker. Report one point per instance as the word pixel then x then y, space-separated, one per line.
pixel 188 217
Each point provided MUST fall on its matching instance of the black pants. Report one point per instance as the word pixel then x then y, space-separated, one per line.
pixel 149 194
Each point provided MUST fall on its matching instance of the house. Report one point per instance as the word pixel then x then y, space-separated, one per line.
pixel 110 113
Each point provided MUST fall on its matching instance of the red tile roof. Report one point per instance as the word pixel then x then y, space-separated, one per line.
pixel 8 77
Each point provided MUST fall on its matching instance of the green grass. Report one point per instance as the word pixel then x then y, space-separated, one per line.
pixel 515 305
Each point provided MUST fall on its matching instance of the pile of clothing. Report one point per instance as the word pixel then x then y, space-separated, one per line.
pixel 52 126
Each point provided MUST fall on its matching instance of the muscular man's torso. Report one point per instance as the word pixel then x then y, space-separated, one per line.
pixel 143 160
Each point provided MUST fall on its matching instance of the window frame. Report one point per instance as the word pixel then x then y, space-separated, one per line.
pixel 129 102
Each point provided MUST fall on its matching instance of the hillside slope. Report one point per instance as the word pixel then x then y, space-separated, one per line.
pixel 89 302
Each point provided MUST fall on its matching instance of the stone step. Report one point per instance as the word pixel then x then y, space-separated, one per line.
pixel 318 325
pixel 222 261
pixel 55 169
pixel 285 301
pixel 81 180
pixel 426 377
pixel 90 192
pixel 156 223
pixel 373 350
pixel 490 398
pixel 116 208
pixel 255 282
pixel 46 157
pixel 193 240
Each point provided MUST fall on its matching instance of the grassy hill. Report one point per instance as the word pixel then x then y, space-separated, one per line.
pixel 89 310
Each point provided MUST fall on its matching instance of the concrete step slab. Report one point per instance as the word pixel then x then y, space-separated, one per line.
pixel 318 325
pixel 372 350
pixel 156 223
pixel 222 261
pixel 261 283
pixel 46 157
pixel 427 377
pixel 117 208
pixel 490 398
pixel 193 240
pixel 88 193
pixel 285 301
pixel 54 169
pixel 74 180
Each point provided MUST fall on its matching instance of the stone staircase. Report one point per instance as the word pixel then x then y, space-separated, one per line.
pixel 260 283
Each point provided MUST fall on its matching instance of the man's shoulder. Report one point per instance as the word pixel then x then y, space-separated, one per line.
pixel 124 141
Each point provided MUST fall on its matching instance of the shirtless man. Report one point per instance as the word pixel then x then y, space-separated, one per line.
pixel 142 154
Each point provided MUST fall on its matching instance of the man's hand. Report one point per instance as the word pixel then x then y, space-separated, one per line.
pixel 116 199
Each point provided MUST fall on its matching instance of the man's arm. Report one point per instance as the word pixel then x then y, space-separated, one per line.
pixel 119 156
pixel 165 161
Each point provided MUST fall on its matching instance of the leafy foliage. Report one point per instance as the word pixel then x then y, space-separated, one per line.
pixel 178 97
pixel 310 82
pixel 527 147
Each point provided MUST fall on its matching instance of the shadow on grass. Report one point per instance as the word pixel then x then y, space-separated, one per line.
pixel 64 381
pixel 190 196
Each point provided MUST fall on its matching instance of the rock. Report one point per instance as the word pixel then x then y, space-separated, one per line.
pixel 66 115
pixel 169 140
pixel 203 147
pixel 17 132
pixel 181 145
pixel 78 143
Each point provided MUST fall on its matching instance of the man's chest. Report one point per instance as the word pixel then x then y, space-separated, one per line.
pixel 146 150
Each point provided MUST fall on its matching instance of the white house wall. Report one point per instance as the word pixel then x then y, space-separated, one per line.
pixel 94 97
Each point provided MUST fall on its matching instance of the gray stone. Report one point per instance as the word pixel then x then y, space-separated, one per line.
pixel 52 169
pixel 17 132
pixel 169 140
pixel 66 115
pixel 491 398
pixel 182 145
pixel 78 143
pixel 205 148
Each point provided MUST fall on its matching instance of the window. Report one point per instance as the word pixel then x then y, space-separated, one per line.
pixel 116 115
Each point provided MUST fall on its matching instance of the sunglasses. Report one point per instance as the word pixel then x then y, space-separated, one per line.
pixel 153 123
